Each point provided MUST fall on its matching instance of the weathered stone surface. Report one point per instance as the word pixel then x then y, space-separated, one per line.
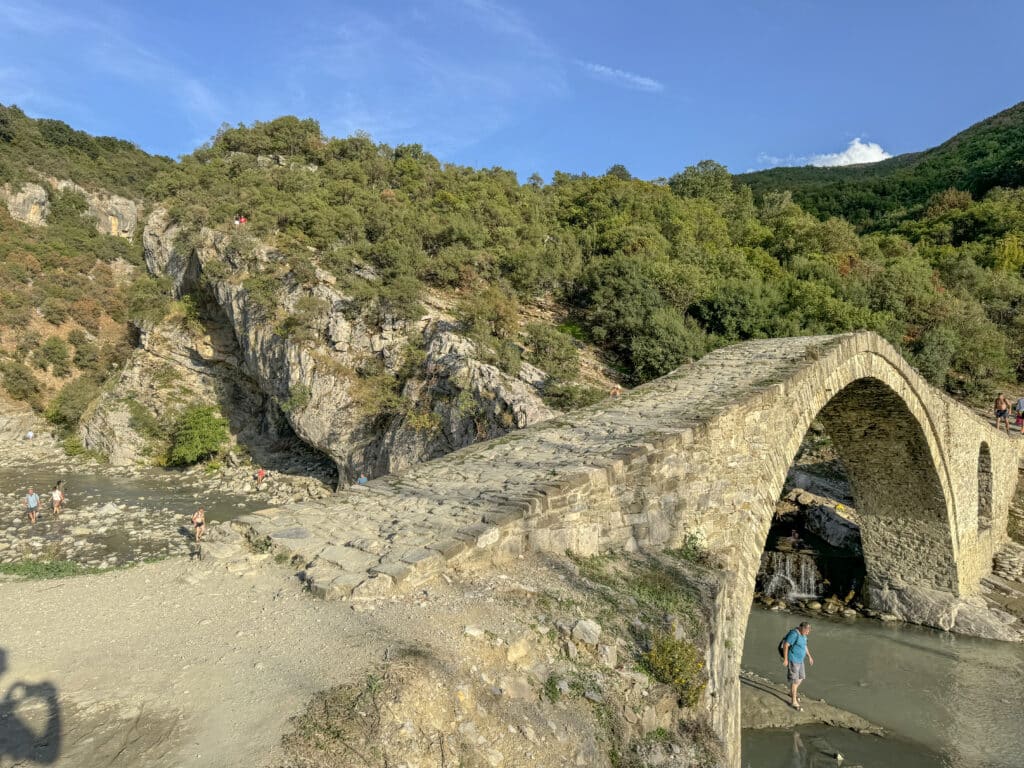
pixel 967 615
pixel 454 399
pixel 586 631
pixel 114 215
pixel 29 204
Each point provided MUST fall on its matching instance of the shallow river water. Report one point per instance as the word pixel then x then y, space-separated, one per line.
pixel 946 700
pixel 151 519
pixel 152 489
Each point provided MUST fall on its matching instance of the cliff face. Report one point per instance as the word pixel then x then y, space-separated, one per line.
pixel 113 215
pixel 374 394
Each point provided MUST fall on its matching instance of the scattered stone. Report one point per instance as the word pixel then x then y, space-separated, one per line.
pixel 586 631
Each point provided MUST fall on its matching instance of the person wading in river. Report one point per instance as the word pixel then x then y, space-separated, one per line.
pixel 32 505
pixel 794 650
pixel 199 521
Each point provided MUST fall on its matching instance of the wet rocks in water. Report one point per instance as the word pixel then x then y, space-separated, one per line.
pixel 121 515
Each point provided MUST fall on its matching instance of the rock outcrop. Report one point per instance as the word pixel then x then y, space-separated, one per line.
pixel 331 384
pixel 29 203
pixel 114 215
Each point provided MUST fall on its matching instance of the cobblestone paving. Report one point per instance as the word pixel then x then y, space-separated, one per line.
pixel 450 509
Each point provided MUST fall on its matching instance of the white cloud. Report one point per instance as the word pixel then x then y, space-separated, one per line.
pixel 857 152
pixel 623 78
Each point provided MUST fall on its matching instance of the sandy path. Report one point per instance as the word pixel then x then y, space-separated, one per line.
pixel 175 663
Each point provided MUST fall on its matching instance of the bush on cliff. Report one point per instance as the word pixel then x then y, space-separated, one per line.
pixel 200 432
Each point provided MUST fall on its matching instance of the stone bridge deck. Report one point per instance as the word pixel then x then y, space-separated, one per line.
pixel 527 489
pixel 404 529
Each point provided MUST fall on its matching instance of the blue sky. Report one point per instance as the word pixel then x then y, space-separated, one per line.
pixel 524 84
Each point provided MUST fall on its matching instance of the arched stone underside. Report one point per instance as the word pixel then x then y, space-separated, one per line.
pixel 906 526
pixel 702 451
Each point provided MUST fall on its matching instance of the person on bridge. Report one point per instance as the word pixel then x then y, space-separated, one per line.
pixel 794 651
pixel 1003 412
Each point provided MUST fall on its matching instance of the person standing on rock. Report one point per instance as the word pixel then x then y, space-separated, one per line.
pixel 261 475
pixel 794 651
pixel 199 521
pixel 1002 409
pixel 32 505
pixel 1019 408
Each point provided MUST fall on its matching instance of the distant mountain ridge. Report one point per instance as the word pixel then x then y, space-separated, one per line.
pixel 873 195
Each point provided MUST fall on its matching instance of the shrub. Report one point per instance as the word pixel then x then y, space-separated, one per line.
pixel 54 310
pixel 677 663
pixel 149 298
pixel 552 351
pixel 400 298
pixel 298 398
pixel 304 324
pixel 566 396
pixel 141 420
pixel 199 432
pixel 489 313
pixel 87 356
pixel 262 291
pixel 20 382
pixel 66 409
pixel 53 354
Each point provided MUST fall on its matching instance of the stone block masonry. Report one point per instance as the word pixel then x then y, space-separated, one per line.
pixel 700 453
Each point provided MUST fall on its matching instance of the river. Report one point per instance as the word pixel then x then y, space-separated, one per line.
pixel 947 701
pixel 151 518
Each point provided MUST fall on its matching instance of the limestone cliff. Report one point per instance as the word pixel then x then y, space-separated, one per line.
pixel 332 384
pixel 113 215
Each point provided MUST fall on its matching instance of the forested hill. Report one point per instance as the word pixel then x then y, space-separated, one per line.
pixel 652 274
pixel 30 148
pixel 879 195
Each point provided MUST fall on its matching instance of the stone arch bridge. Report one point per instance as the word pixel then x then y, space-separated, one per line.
pixel 702 451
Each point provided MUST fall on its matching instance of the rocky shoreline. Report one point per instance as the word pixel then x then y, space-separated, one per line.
pixel 119 515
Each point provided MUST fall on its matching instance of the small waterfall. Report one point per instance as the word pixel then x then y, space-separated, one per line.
pixel 789 576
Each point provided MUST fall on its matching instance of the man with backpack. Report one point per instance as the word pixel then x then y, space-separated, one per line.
pixel 794 650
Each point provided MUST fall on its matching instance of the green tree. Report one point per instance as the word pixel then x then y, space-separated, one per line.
pixel 198 433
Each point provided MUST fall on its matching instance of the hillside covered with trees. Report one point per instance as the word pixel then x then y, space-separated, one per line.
pixel 878 196
pixel 651 273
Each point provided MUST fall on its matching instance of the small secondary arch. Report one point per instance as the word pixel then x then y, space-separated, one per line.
pixel 984 488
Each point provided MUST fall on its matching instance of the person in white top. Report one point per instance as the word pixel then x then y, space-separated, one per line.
pixel 57 498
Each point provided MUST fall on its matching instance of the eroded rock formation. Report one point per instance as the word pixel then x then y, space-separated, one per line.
pixel 322 384
pixel 114 215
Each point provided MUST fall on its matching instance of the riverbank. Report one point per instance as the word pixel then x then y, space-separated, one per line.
pixel 227 662
pixel 118 515
pixel 945 700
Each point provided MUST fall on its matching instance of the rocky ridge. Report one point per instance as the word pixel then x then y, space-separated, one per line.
pixel 273 386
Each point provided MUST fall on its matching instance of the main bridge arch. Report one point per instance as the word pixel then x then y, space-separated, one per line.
pixel 893 455
pixel 704 450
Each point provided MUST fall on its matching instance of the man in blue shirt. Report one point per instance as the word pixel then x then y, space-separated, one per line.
pixel 794 650
pixel 32 505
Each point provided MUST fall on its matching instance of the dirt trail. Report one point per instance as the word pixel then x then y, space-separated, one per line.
pixel 175 663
